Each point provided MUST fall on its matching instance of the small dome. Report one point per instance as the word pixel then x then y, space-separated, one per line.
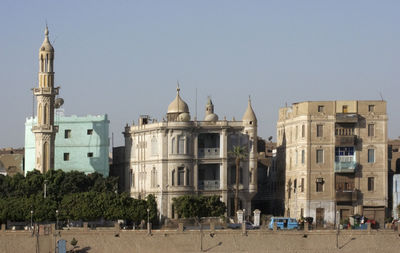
pixel 249 116
pixel 178 105
pixel 46 45
pixel 211 117
pixel 184 117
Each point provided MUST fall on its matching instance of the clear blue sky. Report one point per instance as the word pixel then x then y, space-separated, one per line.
pixel 123 58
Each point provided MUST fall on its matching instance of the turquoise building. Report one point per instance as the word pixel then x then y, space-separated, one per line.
pixel 81 144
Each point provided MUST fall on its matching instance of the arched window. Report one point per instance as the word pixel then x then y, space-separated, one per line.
pixel 181 176
pixel 154 177
pixel 187 177
pixel 154 146
pixel 173 145
pixel 181 145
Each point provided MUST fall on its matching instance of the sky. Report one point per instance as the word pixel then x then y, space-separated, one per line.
pixel 124 58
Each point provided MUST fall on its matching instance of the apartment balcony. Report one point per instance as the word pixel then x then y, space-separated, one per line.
pixel 345 140
pixel 208 152
pixel 346 118
pixel 208 185
pixel 345 164
pixel 346 196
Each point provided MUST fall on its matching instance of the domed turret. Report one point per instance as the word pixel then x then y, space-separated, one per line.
pixel 249 116
pixel 177 107
pixel 210 115
pixel 46 45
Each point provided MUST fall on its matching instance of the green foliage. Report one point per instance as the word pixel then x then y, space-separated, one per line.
pixel 189 206
pixel 77 197
pixel 74 242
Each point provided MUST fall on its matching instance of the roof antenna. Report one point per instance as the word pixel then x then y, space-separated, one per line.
pixel 195 118
pixel 380 94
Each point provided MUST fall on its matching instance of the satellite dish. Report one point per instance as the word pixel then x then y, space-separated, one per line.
pixel 58 103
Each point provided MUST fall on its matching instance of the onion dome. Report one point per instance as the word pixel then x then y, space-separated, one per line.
pixel 178 105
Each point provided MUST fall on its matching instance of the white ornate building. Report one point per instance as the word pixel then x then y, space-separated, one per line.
pixel 179 156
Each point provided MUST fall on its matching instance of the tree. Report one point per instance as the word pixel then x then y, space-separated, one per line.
pixel 191 206
pixel 239 153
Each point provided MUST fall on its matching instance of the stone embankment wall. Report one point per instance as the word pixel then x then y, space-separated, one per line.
pixel 115 240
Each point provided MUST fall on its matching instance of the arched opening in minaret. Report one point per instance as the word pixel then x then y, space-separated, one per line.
pixel 40 114
pixel 45 114
pixel 46 66
pixel 51 65
pixel 41 63
pixel 46 161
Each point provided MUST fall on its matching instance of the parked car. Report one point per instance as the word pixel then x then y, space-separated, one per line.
pixel 283 223
pixel 249 225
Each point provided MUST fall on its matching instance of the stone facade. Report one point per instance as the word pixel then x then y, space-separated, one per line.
pixel 82 144
pixel 179 156
pixel 271 181
pixel 334 154
pixel 11 161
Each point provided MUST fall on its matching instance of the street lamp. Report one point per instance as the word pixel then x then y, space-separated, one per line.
pixel 45 188
pixel 148 221
pixel 31 219
pixel 337 228
pixel 57 219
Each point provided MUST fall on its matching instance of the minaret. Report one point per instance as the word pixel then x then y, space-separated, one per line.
pixel 44 129
pixel 250 127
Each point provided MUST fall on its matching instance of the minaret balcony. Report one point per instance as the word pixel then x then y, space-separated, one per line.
pixel 45 91
pixel 45 129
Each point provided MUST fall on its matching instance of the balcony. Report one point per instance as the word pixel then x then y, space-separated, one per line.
pixel 208 152
pixel 345 164
pixel 208 185
pixel 346 196
pixel 346 118
pixel 345 140
pixel 44 129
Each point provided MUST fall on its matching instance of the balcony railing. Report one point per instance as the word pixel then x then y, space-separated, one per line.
pixel 46 91
pixel 346 196
pixel 208 152
pixel 345 140
pixel 345 164
pixel 346 118
pixel 209 185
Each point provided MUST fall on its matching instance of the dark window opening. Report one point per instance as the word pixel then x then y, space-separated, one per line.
pixel 67 133
pixel 320 185
pixel 66 156
pixel 89 131
pixel 371 185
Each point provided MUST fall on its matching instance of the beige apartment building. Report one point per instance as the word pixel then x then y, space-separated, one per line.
pixel 334 154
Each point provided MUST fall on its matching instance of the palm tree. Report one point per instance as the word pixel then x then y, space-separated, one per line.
pixel 239 153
